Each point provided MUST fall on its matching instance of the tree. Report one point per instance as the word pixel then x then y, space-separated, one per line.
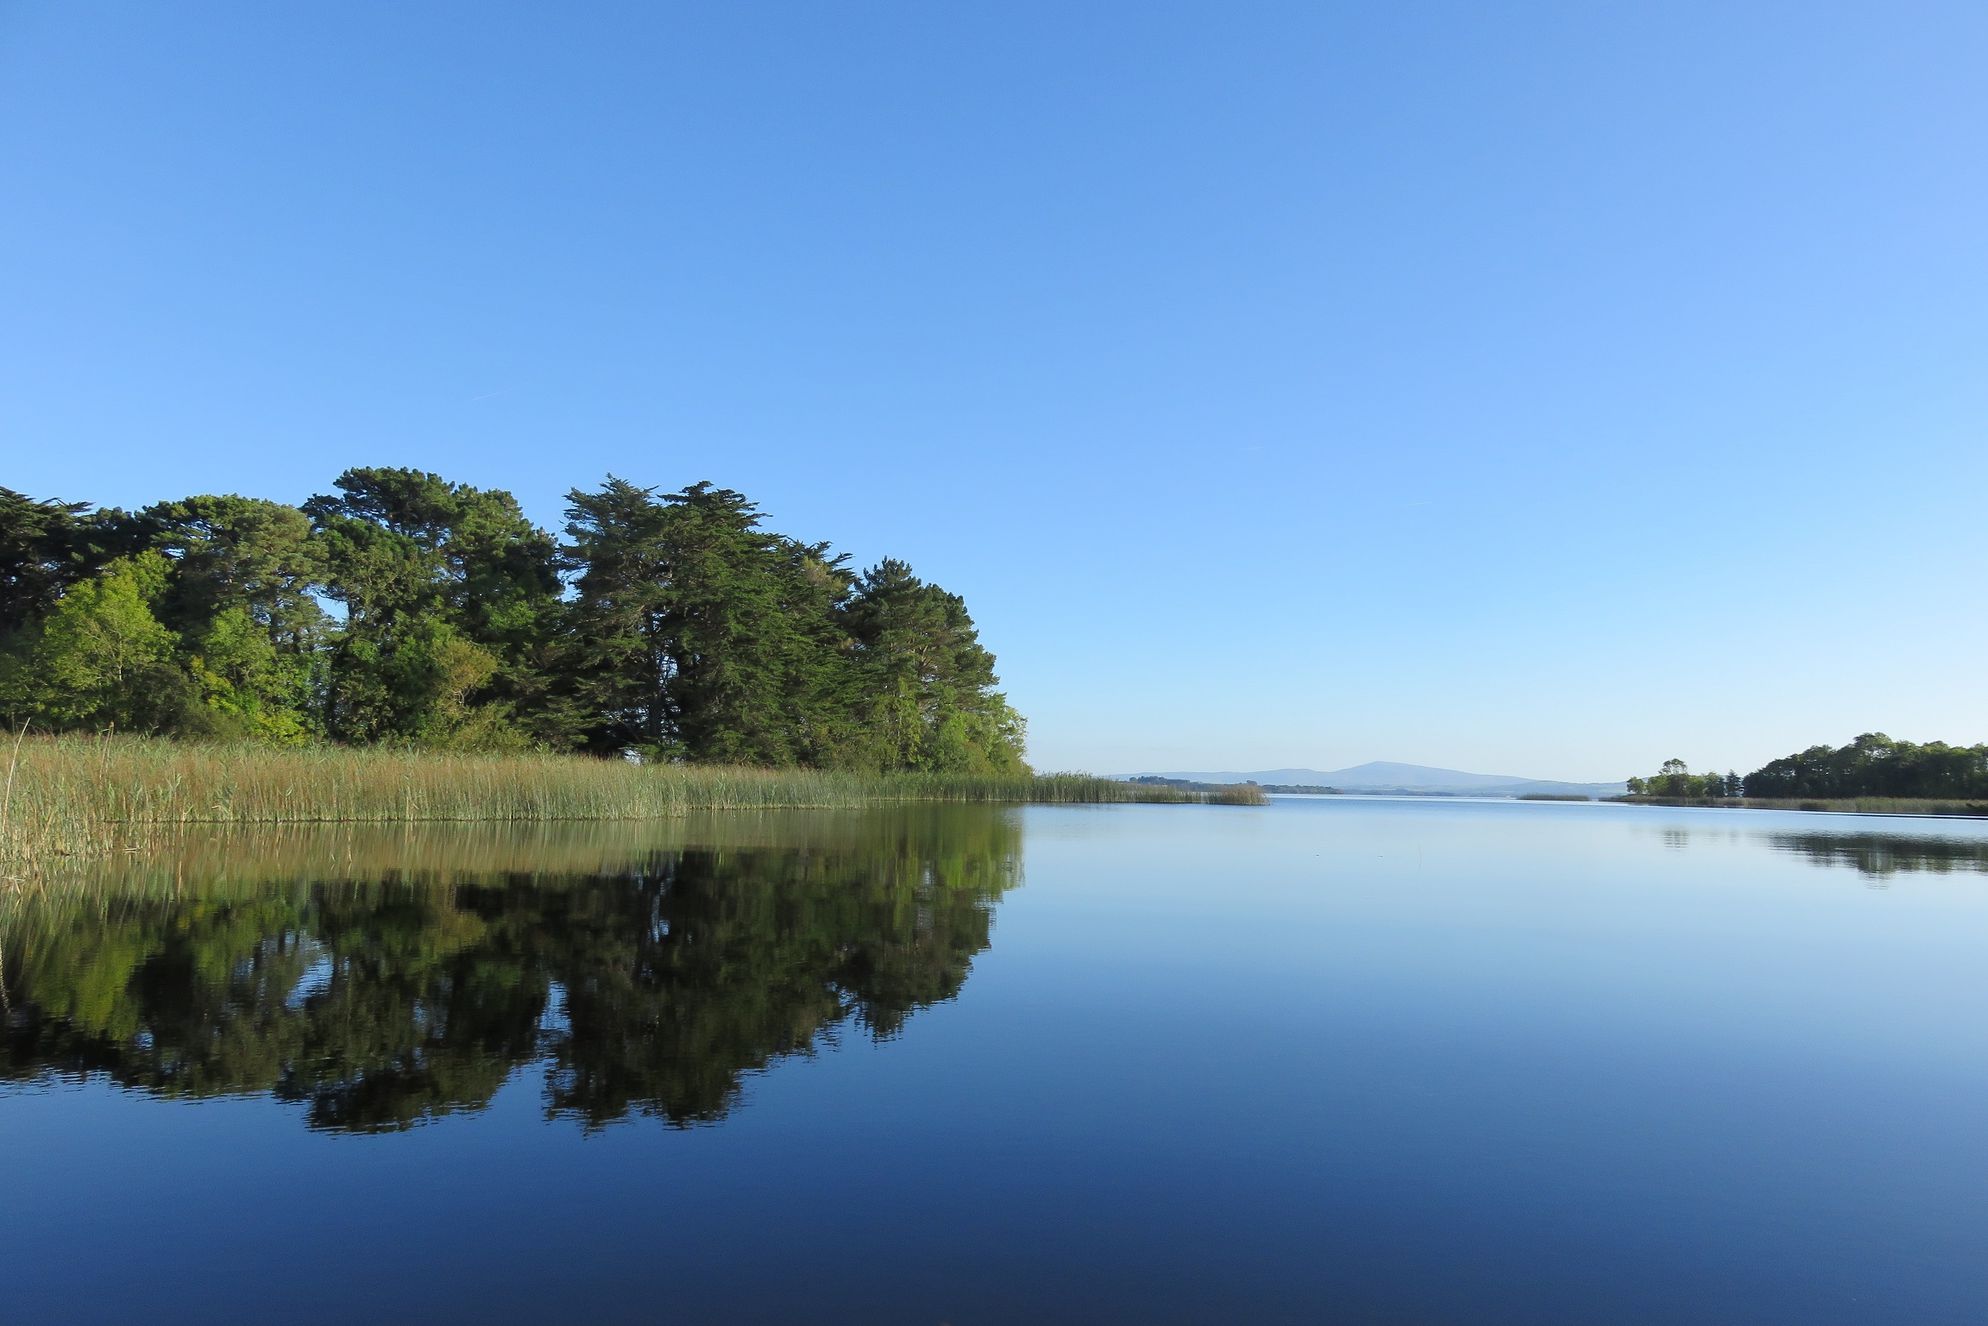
pixel 245 688
pixel 230 552
pixel 100 659
pixel 401 607
pixel 699 635
pixel 1676 780
pixel 1875 765
pixel 45 547
pixel 402 540
pixel 928 685
pixel 619 665
pixel 452 576
pixel 739 659
pixel 241 596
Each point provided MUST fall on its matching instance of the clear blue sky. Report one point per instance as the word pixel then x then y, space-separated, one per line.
pixel 1542 389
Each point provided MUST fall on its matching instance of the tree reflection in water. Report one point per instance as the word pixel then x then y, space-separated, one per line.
pixel 382 1001
pixel 1881 855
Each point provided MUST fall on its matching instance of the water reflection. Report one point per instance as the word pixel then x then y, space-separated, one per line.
pixel 1881 855
pixel 646 982
pixel 1877 856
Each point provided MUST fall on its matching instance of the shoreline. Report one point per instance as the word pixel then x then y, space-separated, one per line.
pixel 92 796
pixel 1897 807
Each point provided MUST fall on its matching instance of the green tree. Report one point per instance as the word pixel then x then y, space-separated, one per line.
pixel 100 659
pixel 699 635
pixel 928 685
pixel 422 686
pixel 437 580
pixel 47 546
pixel 403 541
pixel 38 547
pixel 1875 765
pixel 692 631
pixel 241 595
pixel 230 552
pixel 619 664
pixel 245 687
pixel 741 663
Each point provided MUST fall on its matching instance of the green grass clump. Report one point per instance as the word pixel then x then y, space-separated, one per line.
pixel 77 795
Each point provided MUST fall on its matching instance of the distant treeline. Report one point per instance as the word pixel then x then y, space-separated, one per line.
pixel 1873 765
pixel 405 609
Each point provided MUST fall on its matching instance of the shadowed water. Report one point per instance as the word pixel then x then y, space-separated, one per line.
pixel 385 995
pixel 1331 1058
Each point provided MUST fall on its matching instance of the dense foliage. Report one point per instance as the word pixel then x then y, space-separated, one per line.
pixel 1873 765
pixel 1675 779
pixel 404 609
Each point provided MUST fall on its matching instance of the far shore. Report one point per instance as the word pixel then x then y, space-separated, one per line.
pixel 1905 806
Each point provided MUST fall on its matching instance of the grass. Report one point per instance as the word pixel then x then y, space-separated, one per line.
pixel 67 796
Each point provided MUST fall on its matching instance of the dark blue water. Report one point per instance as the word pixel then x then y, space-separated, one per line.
pixel 1333 1059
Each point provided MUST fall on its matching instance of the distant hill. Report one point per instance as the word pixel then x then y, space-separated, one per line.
pixel 1384 776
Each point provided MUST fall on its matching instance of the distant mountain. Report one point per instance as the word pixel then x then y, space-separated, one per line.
pixel 1383 776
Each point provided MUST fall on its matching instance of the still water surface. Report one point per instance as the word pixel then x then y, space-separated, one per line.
pixel 1333 1059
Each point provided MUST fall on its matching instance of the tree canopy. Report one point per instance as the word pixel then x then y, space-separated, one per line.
pixel 404 608
pixel 1874 765
pixel 1675 779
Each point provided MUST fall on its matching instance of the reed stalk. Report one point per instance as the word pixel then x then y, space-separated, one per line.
pixel 94 795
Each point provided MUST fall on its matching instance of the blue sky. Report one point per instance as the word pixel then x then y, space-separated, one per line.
pixel 1542 389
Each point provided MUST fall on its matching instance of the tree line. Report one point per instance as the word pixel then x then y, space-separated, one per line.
pixel 403 608
pixel 1874 765
pixel 1675 779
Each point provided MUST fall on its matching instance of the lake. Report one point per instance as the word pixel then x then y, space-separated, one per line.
pixel 1329 1059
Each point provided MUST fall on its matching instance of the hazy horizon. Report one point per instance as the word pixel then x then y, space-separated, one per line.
pixel 1535 392
pixel 1289 766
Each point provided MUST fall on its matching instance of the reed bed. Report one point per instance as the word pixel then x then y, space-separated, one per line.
pixel 89 795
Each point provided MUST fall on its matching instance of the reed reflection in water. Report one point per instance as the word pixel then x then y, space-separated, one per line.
pixel 383 979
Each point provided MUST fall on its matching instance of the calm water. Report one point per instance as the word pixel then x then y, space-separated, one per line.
pixel 1334 1059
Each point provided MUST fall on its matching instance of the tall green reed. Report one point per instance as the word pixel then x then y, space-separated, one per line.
pixel 86 795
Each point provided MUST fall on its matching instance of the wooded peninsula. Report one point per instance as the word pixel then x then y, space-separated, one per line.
pixel 1871 770
pixel 403 609
pixel 407 648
